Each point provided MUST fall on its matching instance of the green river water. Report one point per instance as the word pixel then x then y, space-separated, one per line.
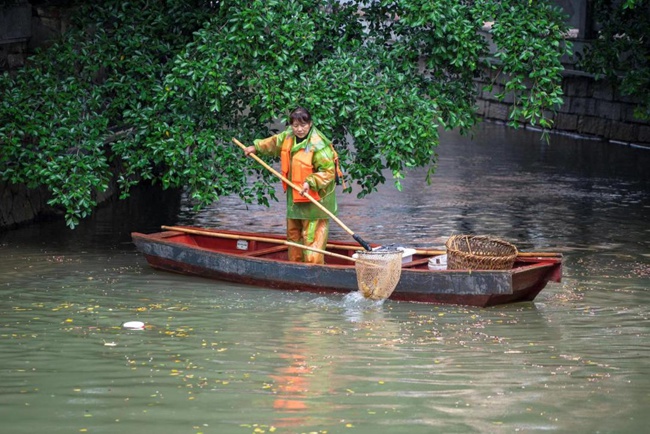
pixel 225 358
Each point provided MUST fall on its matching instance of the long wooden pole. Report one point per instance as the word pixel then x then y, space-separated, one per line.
pixel 364 244
pixel 222 235
pixel 426 252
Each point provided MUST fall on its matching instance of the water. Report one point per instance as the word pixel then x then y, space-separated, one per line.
pixel 225 358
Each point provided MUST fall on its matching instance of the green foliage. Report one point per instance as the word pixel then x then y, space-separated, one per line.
pixel 56 114
pixel 441 39
pixel 531 44
pixel 621 52
pixel 178 79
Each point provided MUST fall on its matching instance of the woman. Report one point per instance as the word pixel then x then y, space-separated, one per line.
pixel 308 160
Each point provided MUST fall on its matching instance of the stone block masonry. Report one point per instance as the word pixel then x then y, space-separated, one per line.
pixel 20 205
pixel 591 108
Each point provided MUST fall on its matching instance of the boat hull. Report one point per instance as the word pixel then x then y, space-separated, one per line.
pixel 181 253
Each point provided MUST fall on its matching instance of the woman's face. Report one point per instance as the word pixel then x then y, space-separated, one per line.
pixel 301 129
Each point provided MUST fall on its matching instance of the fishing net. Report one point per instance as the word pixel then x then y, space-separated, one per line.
pixel 378 272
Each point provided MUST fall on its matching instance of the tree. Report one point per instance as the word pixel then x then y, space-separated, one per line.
pixel 156 90
pixel 620 53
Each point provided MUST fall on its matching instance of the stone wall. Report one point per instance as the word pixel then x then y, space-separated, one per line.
pixel 20 205
pixel 26 26
pixel 15 32
pixel 591 109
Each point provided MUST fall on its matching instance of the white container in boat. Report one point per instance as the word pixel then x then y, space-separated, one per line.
pixel 438 262
pixel 407 254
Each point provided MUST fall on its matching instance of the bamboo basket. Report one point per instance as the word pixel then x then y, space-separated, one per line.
pixel 479 252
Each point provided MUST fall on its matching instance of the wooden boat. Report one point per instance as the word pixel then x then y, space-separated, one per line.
pixel 261 260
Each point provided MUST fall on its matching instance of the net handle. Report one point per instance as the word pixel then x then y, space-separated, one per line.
pixel 325 252
pixel 263 239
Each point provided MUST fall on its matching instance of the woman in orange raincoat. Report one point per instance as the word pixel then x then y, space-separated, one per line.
pixel 308 160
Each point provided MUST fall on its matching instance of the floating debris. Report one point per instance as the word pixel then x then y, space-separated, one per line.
pixel 133 325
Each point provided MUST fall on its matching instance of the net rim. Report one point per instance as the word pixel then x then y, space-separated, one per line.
pixel 379 252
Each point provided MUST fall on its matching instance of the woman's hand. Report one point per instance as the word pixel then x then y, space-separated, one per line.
pixel 305 189
pixel 249 150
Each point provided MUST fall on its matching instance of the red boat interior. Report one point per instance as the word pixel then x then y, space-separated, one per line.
pixel 271 247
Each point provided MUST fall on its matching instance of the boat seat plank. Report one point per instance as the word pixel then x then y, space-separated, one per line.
pixel 415 263
pixel 266 251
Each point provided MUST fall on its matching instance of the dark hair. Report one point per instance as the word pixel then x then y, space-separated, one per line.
pixel 301 115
